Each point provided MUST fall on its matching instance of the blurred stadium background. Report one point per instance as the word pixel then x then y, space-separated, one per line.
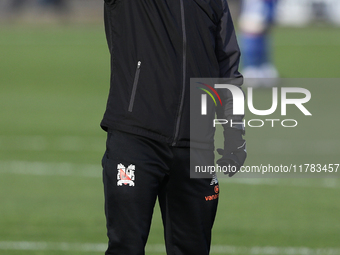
pixel 54 78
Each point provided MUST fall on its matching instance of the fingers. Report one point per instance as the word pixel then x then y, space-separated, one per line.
pixel 220 151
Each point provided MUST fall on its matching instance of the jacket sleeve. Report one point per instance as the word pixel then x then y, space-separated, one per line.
pixel 228 56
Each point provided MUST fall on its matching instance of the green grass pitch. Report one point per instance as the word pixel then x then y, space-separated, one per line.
pixel 54 82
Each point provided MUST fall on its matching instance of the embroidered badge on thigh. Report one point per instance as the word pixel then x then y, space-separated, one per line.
pixel 125 175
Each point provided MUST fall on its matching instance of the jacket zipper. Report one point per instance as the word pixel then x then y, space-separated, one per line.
pixel 134 86
pixel 184 35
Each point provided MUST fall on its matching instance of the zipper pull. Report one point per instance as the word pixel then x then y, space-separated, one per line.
pixel 139 64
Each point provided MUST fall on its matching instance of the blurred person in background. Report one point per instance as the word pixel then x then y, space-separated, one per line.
pixel 16 5
pixel 58 5
pixel 256 19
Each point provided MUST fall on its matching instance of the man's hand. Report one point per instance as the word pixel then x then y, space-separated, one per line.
pixel 234 153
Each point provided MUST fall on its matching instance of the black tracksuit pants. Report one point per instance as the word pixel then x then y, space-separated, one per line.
pixel 137 171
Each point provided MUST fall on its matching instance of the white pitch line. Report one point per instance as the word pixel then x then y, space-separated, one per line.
pixel 97 144
pixel 295 147
pixel 271 250
pixel 30 42
pixel 55 143
pixel 159 248
pixel 95 171
pixel 50 169
pixel 37 43
pixel 49 246
pixel 332 183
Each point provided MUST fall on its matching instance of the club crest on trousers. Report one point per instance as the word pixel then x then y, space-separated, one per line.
pixel 125 175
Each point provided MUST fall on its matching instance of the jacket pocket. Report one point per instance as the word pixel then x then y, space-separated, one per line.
pixel 110 2
pixel 134 86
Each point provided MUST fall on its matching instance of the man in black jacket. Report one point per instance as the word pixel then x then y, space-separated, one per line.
pixel 156 46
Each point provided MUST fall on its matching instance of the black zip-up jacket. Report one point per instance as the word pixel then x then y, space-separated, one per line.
pixel 156 46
